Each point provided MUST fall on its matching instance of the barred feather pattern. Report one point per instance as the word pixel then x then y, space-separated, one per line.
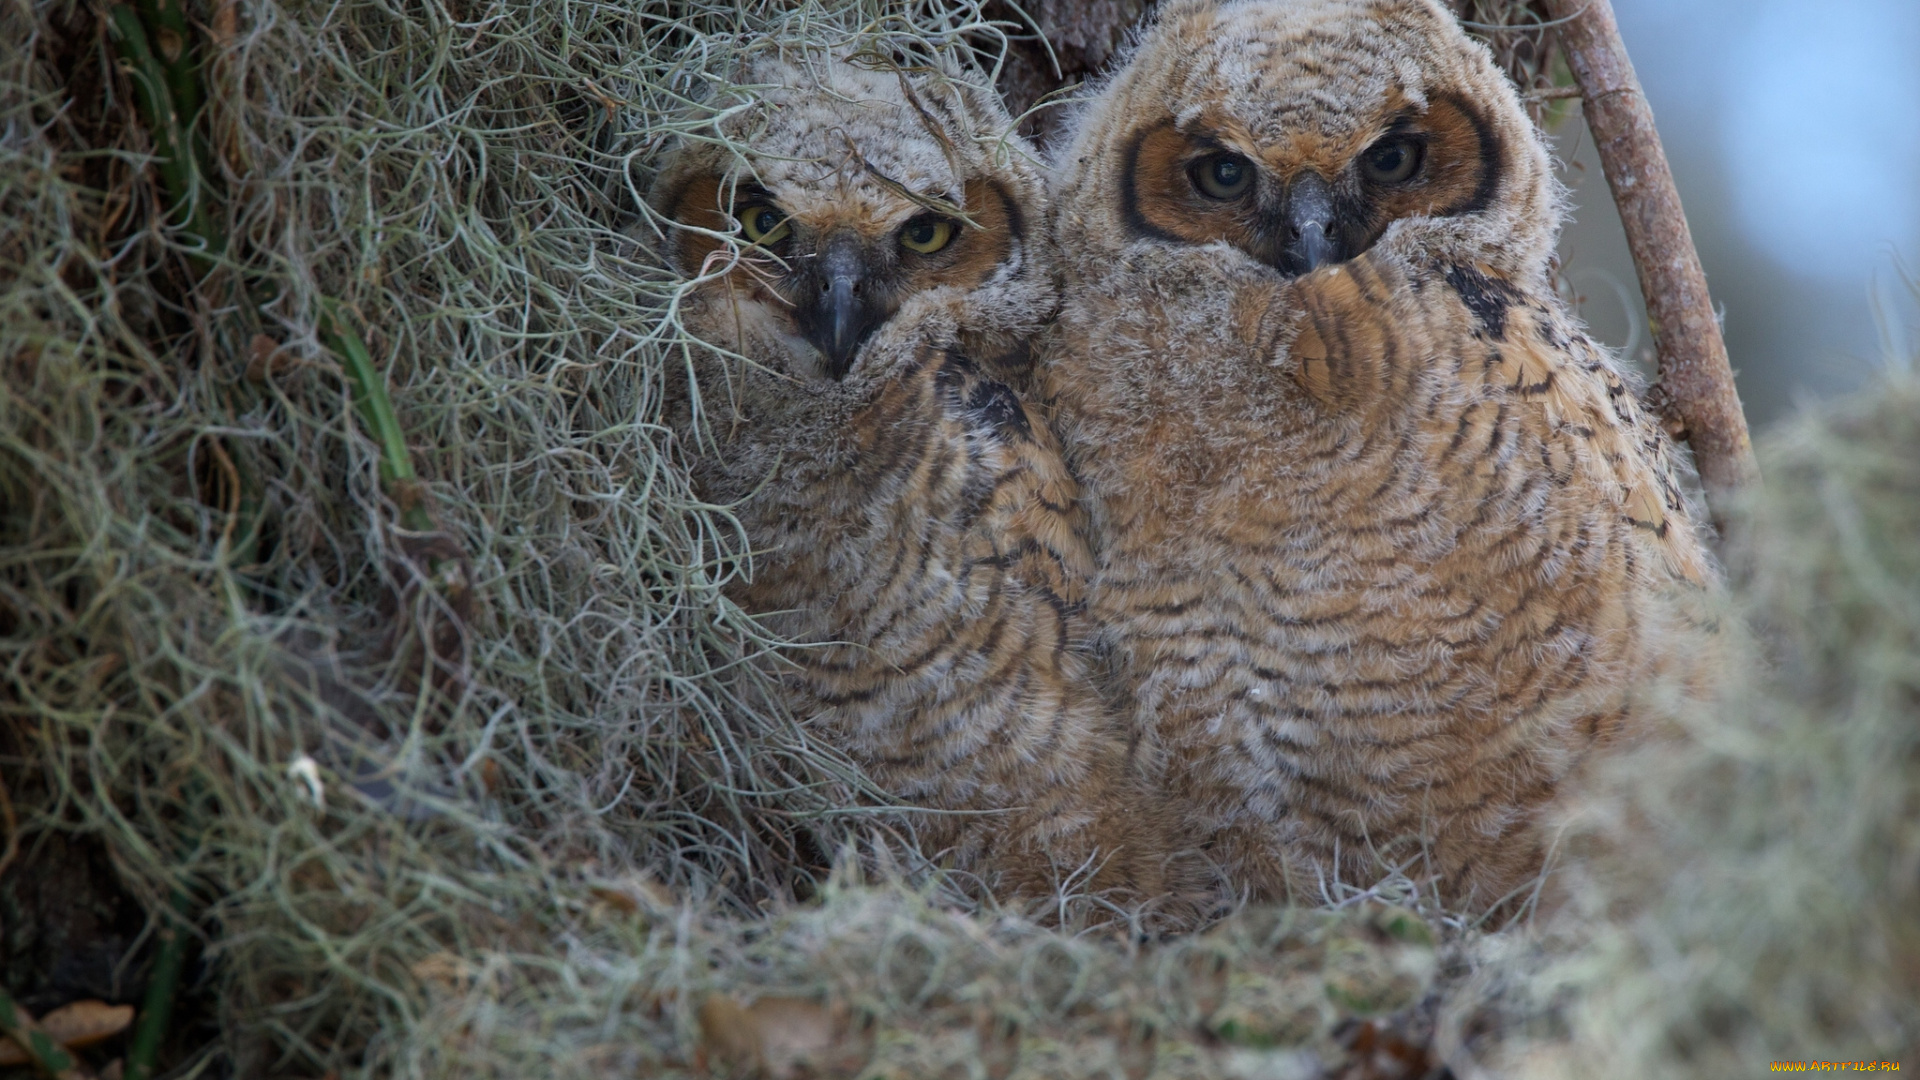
pixel 1385 613
pixel 911 524
pixel 932 567
pixel 1384 551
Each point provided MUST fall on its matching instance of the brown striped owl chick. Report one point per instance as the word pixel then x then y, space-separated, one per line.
pixel 1385 543
pixel 912 524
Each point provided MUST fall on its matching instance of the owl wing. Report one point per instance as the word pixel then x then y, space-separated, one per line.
pixel 1030 520
pixel 1367 330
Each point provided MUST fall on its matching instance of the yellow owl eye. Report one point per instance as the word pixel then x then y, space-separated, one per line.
pixel 1392 160
pixel 926 235
pixel 764 225
pixel 1223 176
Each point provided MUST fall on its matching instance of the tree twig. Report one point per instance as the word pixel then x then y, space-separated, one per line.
pixel 1696 382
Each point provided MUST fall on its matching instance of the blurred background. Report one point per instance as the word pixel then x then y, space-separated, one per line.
pixel 1793 127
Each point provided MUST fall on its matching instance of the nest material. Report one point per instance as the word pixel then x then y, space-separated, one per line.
pixel 550 842
pixel 223 652
pixel 880 984
pixel 1520 35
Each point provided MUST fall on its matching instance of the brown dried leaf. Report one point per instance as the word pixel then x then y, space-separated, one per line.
pixel 81 1023
pixel 1377 1051
pixel 265 359
pixel 774 1038
pixel 445 971
pixel 634 894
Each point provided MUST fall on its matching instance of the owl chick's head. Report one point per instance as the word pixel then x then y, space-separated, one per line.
pixel 1304 132
pixel 852 195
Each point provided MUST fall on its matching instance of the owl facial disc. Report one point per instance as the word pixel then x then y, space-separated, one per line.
pixel 1303 133
pixel 845 198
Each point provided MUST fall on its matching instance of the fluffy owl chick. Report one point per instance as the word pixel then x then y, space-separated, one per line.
pixel 911 520
pixel 1385 543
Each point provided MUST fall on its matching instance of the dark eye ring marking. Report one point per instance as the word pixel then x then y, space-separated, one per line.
pixel 1161 197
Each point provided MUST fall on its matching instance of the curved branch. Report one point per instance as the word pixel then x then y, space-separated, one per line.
pixel 1695 390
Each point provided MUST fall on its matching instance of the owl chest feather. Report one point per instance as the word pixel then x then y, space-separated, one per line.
pixel 932 570
pixel 1424 600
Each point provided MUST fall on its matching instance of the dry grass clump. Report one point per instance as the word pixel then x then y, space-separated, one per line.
pixel 880 984
pixel 1759 899
pixel 339 736
pixel 1520 35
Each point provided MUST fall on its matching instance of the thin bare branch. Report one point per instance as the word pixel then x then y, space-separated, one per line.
pixel 1695 390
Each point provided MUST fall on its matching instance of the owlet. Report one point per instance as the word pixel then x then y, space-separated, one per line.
pixel 868 262
pixel 1385 543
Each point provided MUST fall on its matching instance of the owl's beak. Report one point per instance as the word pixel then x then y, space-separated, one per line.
pixel 844 305
pixel 1309 221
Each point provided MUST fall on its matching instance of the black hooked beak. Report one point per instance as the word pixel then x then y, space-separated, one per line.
pixel 1309 239
pixel 841 304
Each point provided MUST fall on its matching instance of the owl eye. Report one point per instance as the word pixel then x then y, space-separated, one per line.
pixel 1223 176
pixel 926 235
pixel 1392 160
pixel 764 225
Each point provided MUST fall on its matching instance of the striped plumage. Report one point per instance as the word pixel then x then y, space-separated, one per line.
pixel 912 523
pixel 940 565
pixel 1386 545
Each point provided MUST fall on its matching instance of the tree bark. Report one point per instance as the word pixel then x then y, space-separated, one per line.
pixel 1695 389
pixel 1083 35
